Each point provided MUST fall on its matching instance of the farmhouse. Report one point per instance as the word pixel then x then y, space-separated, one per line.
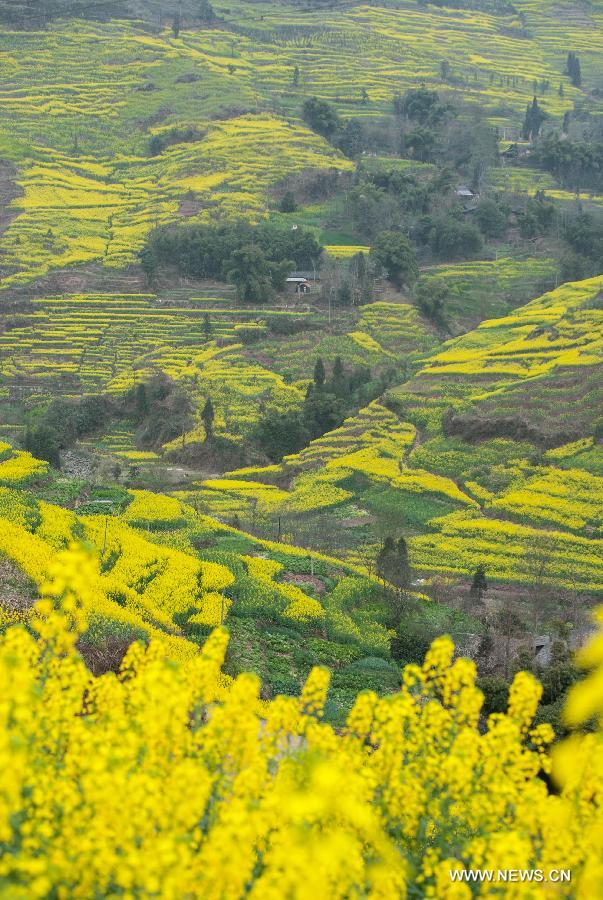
pixel 301 282
pixel 297 285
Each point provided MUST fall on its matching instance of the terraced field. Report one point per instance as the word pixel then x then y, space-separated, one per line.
pixel 393 44
pixel 487 288
pixel 253 518
pixel 526 181
pixel 91 342
pixel 86 186
pixel 164 571
pixel 488 448
pixel 458 457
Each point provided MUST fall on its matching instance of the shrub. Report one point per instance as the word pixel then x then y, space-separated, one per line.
pixel 491 218
pixel 450 238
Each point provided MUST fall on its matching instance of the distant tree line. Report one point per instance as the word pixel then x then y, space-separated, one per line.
pixel 578 165
pixel 425 209
pixel 424 128
pixel 255 258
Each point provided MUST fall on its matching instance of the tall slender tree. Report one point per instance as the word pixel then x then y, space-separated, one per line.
pixel 479 585
pixel 319 373
pixel 573 68
pixel 207 416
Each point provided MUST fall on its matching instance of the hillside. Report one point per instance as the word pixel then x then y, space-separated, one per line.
pixel 222 101
pixel 437 381
pixel 166 572
pixel 301 449
pixel 490 454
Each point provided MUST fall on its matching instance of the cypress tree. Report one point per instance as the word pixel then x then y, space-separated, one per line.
pixel 573 69
pixel 339 381
pixel 479 585
pixel 319 373
pixel 403 563
pixel 208 416
pixel 534 118
pixel 142 400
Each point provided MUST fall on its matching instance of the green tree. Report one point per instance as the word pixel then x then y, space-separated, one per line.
pixel 452 238
pixel 479 584
pixel 207 417
pixel 533 120
pixel 386 559
pixel 496 694
pixel 319 373
pixel 156 145
pixel 404 570
pixel 176 25
pixel 295 78
pixel 351 138
pixel 206 11
pixel 321 117
pixel 393 563
pixel 421 105
pixel 339 382
pixel 421 142
pixel 280 433
pixel 141 401
pixel 344 294
pixel 287 203
pixel 148 262
pixel 431 297
pixel 538 218
pixel 207 329
pixel 322 412
pixel 584 233
pixel 249 270
pixel 567 118
pixel 575 266
pixel 44 442
pixel 573 69
pixel 394 252
pixel 491 218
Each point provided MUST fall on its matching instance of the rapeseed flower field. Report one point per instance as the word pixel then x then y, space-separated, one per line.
pixel 172 779
pixel 466 503
pixel 88 190
pixel 300 545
